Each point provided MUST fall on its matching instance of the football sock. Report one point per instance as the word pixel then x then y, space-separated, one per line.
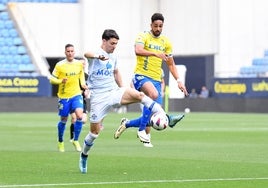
pixel 152 105
pixel 61 129
pixel 145 118
pixel 72 131
pixel 88 143
pixel 77 128
pixel 133 123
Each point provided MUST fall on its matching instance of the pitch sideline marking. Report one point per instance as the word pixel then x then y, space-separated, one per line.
pixel 136 182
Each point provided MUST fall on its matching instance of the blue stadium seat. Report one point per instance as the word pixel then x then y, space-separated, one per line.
pixel 9 41
pixel 2 59
pixel 17 41
pixel 2 7
pixel 13 32
pixel 6 67
pixel 4 1
pixel 14 67
pixel 26 68
pixel 4 50
pixel 266 53
pixel 13 50
pixel 4 33
pixel 2 41
pixel 9 24
pixel 2 24
pixel 69 1
pixel 18 59
pixel 9 59
pixel 26 59
pixel 4 16
pixel 22 50
pixel 248 71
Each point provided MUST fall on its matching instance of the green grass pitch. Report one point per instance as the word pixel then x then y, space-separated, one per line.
pixel 206 150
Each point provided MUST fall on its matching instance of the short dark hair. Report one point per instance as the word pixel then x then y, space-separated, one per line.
pixel 157 16
pixel 68 45
pixel 109 33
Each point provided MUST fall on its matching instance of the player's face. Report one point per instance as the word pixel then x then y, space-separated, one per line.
pixel 110 45
pixel 157 27
pixel 69 52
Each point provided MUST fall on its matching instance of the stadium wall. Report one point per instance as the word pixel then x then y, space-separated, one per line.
pixel 46 104
pixel 233 31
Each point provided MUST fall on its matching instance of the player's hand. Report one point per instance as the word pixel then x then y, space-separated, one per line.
pixel 85 87
pixel 162 56
pixel 183 88
pixel 103 58
pixel 87 93
pixel 64 80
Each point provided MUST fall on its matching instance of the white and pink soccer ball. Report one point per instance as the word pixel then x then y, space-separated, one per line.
pixel 159 121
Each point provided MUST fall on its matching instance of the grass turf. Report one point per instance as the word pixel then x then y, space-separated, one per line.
pixel 206 150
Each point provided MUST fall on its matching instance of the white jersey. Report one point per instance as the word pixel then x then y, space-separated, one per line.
pixel 101 73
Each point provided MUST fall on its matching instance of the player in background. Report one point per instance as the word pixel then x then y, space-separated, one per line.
pixel 107 91
pixel 85 95
pixel 68 74
pixel 152 49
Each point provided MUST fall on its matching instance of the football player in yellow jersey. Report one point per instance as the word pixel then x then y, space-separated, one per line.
pixel 69 75
pixel 152 48
pixel 85 95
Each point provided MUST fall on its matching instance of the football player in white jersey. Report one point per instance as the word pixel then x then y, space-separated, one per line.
pixel 107 91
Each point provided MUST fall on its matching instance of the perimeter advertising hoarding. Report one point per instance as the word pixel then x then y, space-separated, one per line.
pixel 25 86
pixel 240 88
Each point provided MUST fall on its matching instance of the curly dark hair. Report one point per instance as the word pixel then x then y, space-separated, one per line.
pixel 157 16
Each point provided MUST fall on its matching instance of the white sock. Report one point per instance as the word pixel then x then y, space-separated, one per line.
pixel 147 101
pixel 149 136
pixel 88 143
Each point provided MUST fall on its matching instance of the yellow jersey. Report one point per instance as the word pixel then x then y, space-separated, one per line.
pixel 150 66
pixel 74 72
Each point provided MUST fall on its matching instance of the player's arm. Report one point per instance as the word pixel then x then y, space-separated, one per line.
pixel 140 51
pixel 173 69
pixel 118 78
pixel 53 79
pixel 82 80
pixel 90 56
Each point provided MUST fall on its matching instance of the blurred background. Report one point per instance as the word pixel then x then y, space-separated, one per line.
pixel 221 45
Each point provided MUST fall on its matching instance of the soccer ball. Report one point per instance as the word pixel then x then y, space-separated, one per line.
pixel 187 110
pixel 159 121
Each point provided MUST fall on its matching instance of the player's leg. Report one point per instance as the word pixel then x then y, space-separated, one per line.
pixel 153 89
pixel 147 87
pixel 99 108
pixel 174 119
pixel 85 112
pixel 77 106
pixel 88 143
pixel 133 96
pixel 64 108
pixel 73 120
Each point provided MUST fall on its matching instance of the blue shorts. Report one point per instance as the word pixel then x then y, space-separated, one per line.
pixel 84 107
pixel 65 106
pixel 138 81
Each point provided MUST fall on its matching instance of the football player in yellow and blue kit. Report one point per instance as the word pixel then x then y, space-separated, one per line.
pixel 69 75
pixel 152 48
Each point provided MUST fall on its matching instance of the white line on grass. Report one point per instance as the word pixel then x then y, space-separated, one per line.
pixel 223 129
pixel 136 182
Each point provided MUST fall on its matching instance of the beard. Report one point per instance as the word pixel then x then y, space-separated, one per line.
pixel 156 33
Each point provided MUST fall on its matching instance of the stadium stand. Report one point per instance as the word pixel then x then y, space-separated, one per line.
pixel 258 68
pixel 15 60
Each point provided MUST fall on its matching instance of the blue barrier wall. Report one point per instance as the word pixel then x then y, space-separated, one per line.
pixel 240 88
pixel 25 86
